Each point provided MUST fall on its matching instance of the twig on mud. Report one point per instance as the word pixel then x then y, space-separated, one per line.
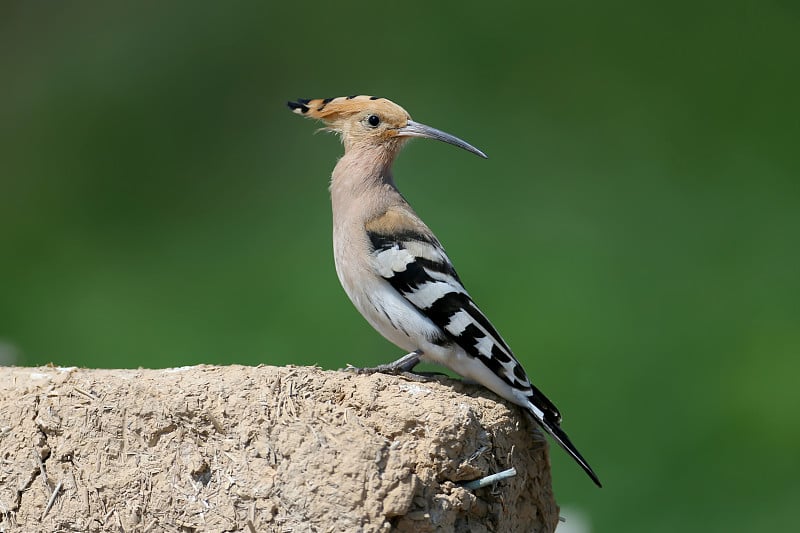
pixel 490 480
pixel 52 499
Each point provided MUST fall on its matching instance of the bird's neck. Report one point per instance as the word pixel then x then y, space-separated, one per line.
pixel 364 176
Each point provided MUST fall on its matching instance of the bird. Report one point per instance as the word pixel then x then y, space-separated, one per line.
pixel 397 273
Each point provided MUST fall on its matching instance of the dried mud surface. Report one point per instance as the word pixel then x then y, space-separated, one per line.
pixel 290 449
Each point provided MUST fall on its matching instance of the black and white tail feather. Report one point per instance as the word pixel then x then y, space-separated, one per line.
pixel 416 266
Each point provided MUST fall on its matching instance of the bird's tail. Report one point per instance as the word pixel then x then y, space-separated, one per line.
pixel 551 423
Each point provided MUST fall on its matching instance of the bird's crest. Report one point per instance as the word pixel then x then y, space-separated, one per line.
pixel 335 111
pixel 325 108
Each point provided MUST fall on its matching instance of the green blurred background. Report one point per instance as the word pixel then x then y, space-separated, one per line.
pixel 634 234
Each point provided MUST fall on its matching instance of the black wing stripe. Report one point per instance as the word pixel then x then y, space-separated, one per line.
pixel 551 413
pixel 384 242
pixel 469 339
pixel 411 278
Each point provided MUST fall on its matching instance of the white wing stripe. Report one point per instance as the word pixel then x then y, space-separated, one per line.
pixel 485 345
pixel 428 293
pixel 426 251
pixel 393 260
pixel 458 323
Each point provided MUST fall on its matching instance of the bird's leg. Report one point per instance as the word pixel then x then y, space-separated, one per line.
pixel 401 366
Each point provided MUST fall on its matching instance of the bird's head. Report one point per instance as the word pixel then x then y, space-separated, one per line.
pixel 369 121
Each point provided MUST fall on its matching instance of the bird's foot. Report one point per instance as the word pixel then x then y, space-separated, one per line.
pixel 403 365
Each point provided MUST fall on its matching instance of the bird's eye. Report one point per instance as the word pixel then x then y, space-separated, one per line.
pixel 373 120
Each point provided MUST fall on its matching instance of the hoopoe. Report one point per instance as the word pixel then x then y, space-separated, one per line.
pixel 396 272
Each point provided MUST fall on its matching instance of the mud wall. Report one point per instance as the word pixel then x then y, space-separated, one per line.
pixel 237 448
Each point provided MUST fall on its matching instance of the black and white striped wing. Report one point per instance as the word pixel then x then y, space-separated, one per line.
pixel 416 266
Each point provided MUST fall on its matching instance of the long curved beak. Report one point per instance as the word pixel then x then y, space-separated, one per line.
pixel 415 129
